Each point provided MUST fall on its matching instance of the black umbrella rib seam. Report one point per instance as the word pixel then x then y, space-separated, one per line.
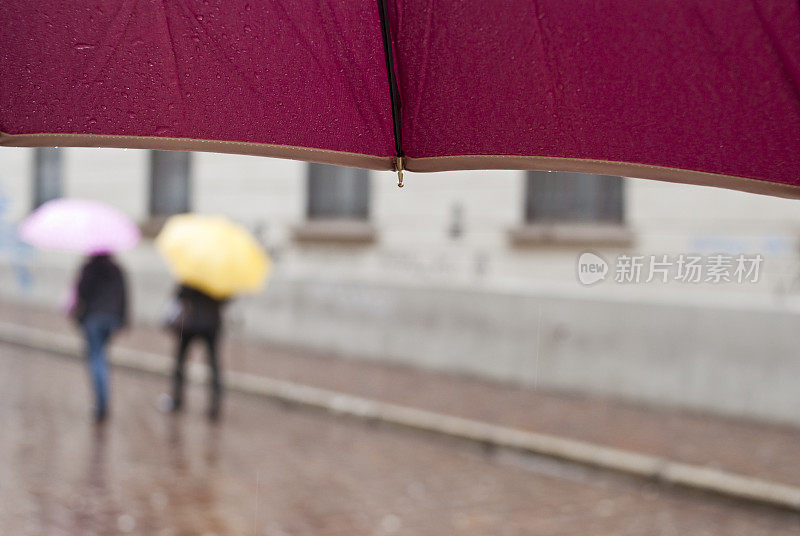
pixel 394 93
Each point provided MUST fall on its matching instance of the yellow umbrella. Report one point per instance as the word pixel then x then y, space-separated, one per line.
pixel 213 254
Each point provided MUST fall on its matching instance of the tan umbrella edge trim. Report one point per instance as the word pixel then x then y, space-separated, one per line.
pixel 426 164
pixel 602 167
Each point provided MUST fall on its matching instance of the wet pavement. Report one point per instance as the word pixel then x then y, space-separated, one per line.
pixel 268 469
pixel 763 450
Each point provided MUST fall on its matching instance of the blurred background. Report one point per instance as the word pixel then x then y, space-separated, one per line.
pixel 464 271
pixel 464 285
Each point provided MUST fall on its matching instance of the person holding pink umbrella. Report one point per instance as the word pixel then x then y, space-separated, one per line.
pixel 101 307
pixel 100 300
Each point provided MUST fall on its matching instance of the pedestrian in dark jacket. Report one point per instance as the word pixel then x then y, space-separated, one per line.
pixel 198 317
pixel 101 308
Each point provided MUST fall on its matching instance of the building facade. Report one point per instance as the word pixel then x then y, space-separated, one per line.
pixel 475 272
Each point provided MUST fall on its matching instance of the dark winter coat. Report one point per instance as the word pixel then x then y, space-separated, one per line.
pixel 199 312
pixel 102 289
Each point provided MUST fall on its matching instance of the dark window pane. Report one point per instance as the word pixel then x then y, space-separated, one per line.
pixel 573 197
pixel 169 182
pixel 337 192
pixel 46 175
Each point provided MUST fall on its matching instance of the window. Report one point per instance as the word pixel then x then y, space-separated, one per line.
pixel 336 192
pixel 169 182
pixel 46 175
pixel 573 198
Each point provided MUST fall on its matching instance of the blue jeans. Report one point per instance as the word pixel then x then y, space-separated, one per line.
pixel 97 329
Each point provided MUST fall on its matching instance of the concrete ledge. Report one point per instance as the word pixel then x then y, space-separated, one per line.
pixel 335 231
pixel 571 235
pixel 626 462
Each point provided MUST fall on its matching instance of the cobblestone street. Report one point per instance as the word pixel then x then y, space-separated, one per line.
pixel 272 470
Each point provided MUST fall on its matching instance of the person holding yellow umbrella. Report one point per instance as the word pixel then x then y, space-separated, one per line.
pixel 213 259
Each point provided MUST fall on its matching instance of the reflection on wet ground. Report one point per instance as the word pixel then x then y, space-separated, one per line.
pixel 272 470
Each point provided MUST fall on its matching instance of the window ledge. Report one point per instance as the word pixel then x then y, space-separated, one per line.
pixel 571 235
pixel 351 232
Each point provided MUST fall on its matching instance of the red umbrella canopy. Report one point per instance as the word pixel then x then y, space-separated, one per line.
pixel 696 91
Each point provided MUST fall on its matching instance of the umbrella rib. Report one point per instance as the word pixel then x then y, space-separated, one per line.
pixel 394 93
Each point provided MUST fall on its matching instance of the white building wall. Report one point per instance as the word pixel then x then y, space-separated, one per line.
pixel 670 218
pixel 415 224
pixel 267 195
pixel 116 175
